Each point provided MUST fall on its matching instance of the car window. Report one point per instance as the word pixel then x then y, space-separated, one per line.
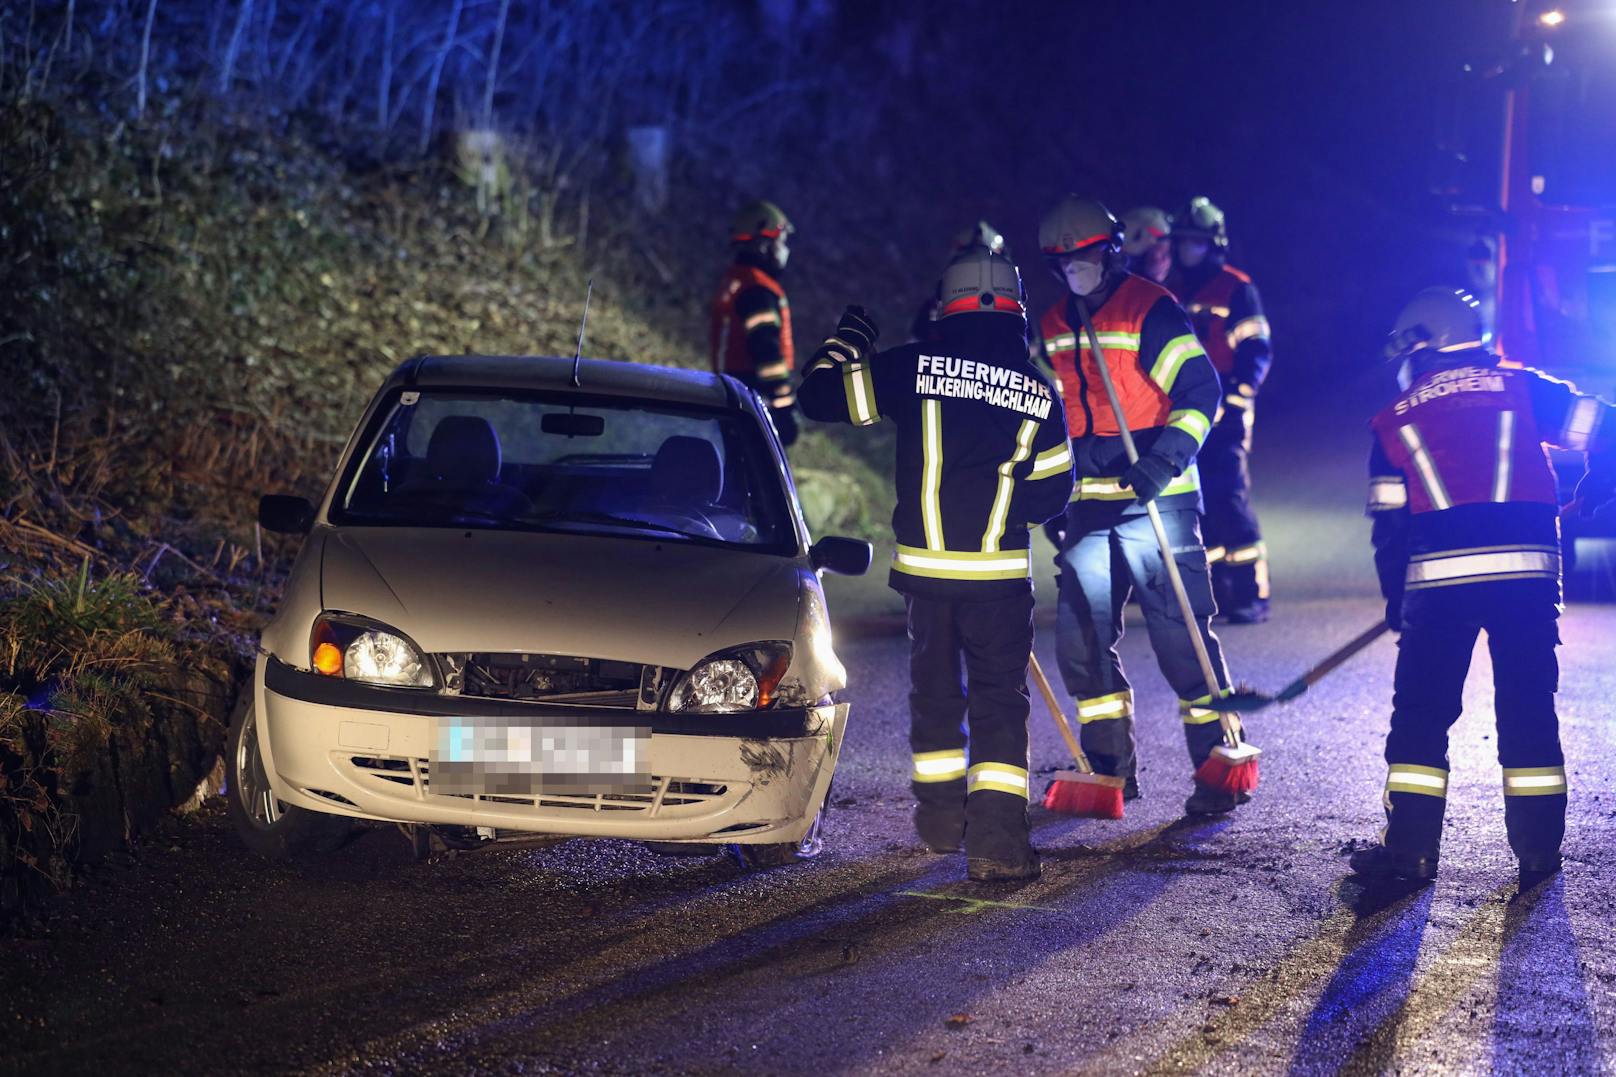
pixel 546 462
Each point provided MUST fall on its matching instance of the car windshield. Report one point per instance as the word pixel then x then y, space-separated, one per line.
pixel 568 463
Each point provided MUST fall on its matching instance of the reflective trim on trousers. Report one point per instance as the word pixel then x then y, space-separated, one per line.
pixel 947 765
pixel 1197 711
pixel 999 777
pixel 1410 778
pixel 1534 781
pixel 1099 708
pixel 1483 564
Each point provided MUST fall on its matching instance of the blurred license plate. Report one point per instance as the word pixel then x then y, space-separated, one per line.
pixel 499 756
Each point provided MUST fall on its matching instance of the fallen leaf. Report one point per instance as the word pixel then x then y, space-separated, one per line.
pixel 959 1020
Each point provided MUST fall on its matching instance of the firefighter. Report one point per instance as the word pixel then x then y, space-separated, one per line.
pixel 750 330
pixel 1466 541
pixel 1147 241
pixel 1227 314
pixel 982 234
pixel 1169 393
pixel 982 454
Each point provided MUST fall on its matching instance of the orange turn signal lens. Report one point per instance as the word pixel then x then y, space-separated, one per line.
pixel 328 659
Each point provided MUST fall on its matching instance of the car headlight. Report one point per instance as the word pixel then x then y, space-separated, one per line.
pixel 368 652
pixel 741 679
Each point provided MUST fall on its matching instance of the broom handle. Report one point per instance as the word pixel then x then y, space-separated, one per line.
pixel 1335 660
pixel 1213 688
pixel 1065 727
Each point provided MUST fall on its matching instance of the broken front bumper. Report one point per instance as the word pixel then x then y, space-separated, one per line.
pixel 350 749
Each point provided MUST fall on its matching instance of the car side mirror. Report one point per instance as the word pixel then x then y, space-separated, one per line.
pixel 843 556
pixel 285 513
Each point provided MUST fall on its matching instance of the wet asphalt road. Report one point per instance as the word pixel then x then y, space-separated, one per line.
pixel 1149 945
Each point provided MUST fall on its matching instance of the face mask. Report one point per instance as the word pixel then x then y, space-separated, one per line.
pixel 1083 278
pixel 1191 253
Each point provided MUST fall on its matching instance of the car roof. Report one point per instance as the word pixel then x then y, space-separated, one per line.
pixel 550 372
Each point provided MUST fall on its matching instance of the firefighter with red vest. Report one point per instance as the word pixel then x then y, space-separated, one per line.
pixel 1169 392
pixel 1466 537
pixel 750 330
pixel 1147 240
pixel 982 454
pixel 1224 307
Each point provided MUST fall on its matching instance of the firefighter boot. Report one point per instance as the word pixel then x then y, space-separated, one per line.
pixel 998 844
pixel 1379 864
pixel 941 827
pixel 1534 817
pixel 1208 800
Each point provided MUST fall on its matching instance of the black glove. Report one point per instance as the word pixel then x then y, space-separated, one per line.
pixel 858 329
pixel 1596 488
pixel 785 424
pixel 1149 476
pixel 1394 613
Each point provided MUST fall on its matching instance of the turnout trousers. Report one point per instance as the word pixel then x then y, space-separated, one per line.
pixel 968 667
pixel 1100 567
pixel 1234 545
pixel 1440 628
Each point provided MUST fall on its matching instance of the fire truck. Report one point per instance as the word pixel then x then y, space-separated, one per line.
pixel 1527 173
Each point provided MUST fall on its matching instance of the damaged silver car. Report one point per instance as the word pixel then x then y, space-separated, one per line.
pixel 540 599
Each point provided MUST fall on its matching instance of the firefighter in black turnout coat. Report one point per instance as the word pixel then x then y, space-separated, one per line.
pixel 1466 541
pixel 982 454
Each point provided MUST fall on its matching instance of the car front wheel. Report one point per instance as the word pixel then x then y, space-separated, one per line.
pixel 267 826
pixel 780 854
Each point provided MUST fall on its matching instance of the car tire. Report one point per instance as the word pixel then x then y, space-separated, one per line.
pixel 779 854
pixel 268 827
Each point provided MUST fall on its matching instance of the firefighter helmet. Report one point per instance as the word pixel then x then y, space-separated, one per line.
pixel 980 281
pixel 1201 219
pixel 759 220
pixel 1142 227
pixel 1438 320
pixel 981 234
pixel 1076 223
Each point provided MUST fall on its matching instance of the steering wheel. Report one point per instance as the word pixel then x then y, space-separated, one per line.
pixel 683 514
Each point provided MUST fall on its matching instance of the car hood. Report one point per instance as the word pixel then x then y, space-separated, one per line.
pixel 663 603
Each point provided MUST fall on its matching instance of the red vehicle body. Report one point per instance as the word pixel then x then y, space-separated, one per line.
pixel 1530 150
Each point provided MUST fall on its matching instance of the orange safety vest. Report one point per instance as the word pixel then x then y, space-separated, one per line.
pixel 727 334
pixel 1118 324
pixel 1209 313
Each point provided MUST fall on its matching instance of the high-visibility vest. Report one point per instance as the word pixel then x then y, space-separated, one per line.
pixel 727 329
pixel 1118 324
pixel 1208 309
pixel 1466 436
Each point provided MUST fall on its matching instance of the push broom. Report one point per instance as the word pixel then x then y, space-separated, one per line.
pixel 1232 766
pixel 1081 792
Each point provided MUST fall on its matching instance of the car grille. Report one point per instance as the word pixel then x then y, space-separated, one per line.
pixel 666 796
pixel 549 678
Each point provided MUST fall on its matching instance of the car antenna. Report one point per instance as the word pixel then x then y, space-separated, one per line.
pixel 577 359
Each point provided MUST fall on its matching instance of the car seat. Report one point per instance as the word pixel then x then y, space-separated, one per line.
pixel 463 460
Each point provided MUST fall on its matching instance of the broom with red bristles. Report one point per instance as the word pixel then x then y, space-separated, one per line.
pixel 1232 766
pixel 1081 792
